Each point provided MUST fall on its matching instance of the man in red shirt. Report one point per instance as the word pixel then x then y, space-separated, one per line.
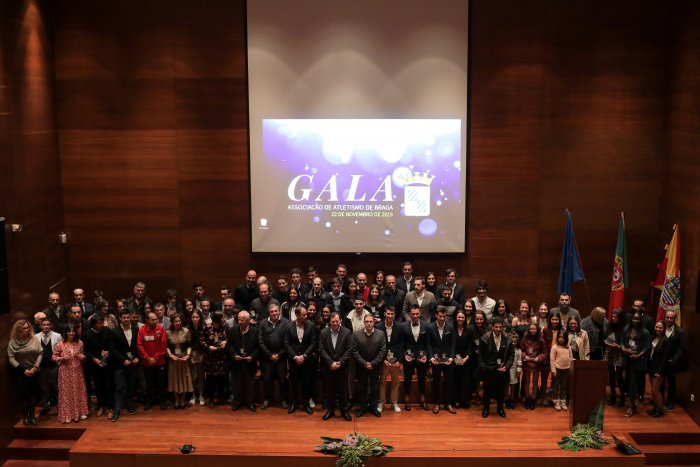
pixel 151 344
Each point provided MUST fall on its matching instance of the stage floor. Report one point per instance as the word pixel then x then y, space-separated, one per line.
pixel 273 437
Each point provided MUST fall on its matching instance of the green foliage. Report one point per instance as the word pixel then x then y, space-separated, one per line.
pixel 353 450
pixel 596 418
pixel 582 437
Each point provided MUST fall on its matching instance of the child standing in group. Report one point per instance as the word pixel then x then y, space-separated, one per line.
pixel 560 362
pixel 515 372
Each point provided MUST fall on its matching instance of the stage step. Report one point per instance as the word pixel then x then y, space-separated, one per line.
pixel 35 463
pixel 669 448
pixel 41 446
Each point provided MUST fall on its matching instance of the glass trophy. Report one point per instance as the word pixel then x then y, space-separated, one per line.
pixel 390 357
pixel 409 352
pixel 458 359
pixel 442 358
pixel 129 355
pixel 421 354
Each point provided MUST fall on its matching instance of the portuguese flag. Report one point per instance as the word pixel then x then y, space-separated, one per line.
pixel 619 275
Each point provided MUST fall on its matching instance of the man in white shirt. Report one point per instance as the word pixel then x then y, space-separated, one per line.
pixel 484 302
pixel 48 374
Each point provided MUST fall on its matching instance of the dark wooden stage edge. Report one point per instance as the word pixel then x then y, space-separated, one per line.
pixel 274 438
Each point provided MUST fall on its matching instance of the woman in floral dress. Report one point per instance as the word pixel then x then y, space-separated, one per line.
pixel 215 367
pixel 72 397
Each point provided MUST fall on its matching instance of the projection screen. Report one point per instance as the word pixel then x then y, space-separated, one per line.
pixel 358 125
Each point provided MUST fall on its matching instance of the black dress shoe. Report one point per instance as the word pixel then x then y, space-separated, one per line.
pixel 658 413
pixel 308 409
pixel 131 410
pixel 424 405
pixel 32 421
pixel 346 415
pixel 612 401
pixel 451 409
pixel 407 406
pixel 251 407
pixel 115 417
pixel 25 421
pixel 375 411
pixel 265 405
pixel 236 405
pixel 44 411
pixel 292 408
pixel 285 405
pixel 329 413
pixel 485 413
pixel 501 413
pixel 147 406
pixel 362 411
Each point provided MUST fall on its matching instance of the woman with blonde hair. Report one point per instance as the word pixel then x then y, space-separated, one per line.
pixel 24 353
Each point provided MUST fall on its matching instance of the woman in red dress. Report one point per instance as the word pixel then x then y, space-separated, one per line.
pixel 72 397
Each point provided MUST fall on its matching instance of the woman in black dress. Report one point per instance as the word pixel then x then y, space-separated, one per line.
pixel 463 368
pixel 635 343
pixel 660 354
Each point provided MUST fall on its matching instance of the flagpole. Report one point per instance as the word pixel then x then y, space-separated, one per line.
pixel 585 282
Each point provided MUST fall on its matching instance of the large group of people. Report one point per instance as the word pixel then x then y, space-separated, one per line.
pixel 349 342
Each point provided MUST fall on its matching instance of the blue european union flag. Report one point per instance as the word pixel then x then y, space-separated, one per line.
pixel 570 269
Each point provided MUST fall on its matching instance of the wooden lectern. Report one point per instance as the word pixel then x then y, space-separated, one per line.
pixel 587 380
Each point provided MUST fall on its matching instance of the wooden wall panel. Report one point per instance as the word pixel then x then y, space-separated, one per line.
pixel 29 174
pixel 680 175
pixel 564 112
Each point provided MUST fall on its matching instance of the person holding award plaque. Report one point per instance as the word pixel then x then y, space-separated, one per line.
pixel 441 352
pixel 415 346
pixel 96 342
pixel 496 355
pixel 242 348
pixel 462 373
pixel 636 344
pixel 179 352
pixel 392 363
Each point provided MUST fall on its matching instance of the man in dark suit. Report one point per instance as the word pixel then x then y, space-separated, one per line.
pixel 317 295
pixel 677 348
pixel 225 292
pixel 55 312
pixel 341 274
pixel 137 302
pixel 248 291
pixel 86 308
pixel 124 356
pixel 441 352
pixel 273 354
pixel 369 350
pixel 456 290
pixel 393 333
pixel 341 303
pixel 406 281
pixel 242 347
pixel 415 349
pixel 335 349
pixel 300 340
pixel 496 355
pixel 446 303
pixel 393 296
